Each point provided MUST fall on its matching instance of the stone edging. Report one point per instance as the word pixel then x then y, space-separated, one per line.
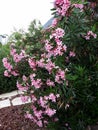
pixel 11 99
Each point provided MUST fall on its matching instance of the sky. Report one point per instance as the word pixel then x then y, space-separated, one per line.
pixel 19 13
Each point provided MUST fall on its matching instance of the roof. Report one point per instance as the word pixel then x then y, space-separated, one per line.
pixel 48 23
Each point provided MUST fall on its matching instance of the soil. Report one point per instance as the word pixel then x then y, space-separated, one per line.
pixel 12 118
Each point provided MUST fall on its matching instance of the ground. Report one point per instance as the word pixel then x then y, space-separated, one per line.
pixel 12 118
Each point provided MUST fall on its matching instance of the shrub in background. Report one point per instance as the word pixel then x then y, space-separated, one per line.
pixel 62 76
pixel 22 40
pixel 6 84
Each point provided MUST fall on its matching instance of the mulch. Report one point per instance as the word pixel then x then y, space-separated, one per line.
pixel 12 118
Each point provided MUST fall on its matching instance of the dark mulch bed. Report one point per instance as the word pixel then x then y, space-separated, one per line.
pixel 12 118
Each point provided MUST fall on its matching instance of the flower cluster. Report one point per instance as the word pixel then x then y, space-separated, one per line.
pixel 9 68
pixel 45 110
pixel 80 6
pixel 45 76
pixel 17 57
pixel 89 35
pixel 62 6
pixel 58 48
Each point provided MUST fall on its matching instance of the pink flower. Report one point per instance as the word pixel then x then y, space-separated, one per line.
pixel 92 34
pixel 48 47
pixel 32 76
pixel 17 57
pixel 32 63
pixel 50 66
pixel 58 33
pixel 52 97
pixel 24 98
pixel 24 78
pixel 7 65
pixel 57 79
pixel 40 63
pixel 39 123
pixel 65 7
pixel 58 51
pixel 80 6
pixel 14 73
pixel 33 107
pixel 65 48
pixel 28 115
pixel 45 122
pixel 89 34
pixel 13 51
pixel 62 6
pixel 60 75
pixel 72 54
pixel 4 60
pixel 59 2
pixel 33 98
pixel 6 74
pixel 58 41
pixel 50 112
pixel 46 98
pixel 22 88
pixel 42 102
pixel 87 37
pixel 36 83
pixel 38 114
pixel 50 83
pixel 23 54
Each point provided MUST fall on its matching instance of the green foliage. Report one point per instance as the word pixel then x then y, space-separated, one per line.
pixel 82 91
pixel 23 67
pixel 30 40
pixel 77 105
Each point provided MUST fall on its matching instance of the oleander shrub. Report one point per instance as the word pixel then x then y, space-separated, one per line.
pixel 62 69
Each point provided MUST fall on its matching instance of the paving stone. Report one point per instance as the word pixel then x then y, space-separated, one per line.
pixel 17 101
pixel 7 95
pixel 5 103
pixel 11 98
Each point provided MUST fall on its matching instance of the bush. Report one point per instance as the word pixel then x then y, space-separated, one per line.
pixel 6 84
pixel 62 75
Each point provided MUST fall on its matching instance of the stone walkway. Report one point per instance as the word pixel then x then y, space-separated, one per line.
pixel 12 98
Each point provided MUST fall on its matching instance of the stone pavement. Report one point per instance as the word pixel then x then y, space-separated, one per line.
pixel 12 98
